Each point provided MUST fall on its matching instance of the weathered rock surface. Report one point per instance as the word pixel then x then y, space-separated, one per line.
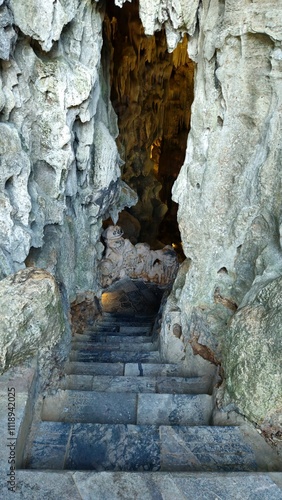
pixel 32 317
pixel 60 172
pixel 177 16
pixel 229 188
pixel 252 356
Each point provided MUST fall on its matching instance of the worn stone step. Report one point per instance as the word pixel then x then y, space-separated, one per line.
pixel 115 331
pixel 123 447
pixel 81 368
pixel 130 408
pixel 122 327
pixel 205 448
pixel 174 409
pixel 90 406
pixel 106 383
pixel 153 369
pixel 115 356
pixel 161 385
pixel 149 486
pixel 127 317
pixel 115 346
pixel 126 322
pixel 134 329
pixel 113 339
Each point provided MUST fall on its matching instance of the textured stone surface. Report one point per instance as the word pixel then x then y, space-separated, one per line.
pixel 60 165
pixel 115 356
pixel 56 434
pixel 228 189
pixel 32 316
pixel 115 447
pixel 15 416
pixel 149 369
pixel 95 368
pixel 174 409
pixel 205 448
pixel 127 485
pixel 177 16
pixel 96 407
pixel 253 359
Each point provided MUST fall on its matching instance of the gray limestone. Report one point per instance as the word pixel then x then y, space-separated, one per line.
pixel 79 367
pixel 149 369
pixel 253 351
pixel 114 447
pixel 212 449
pixel 174 409
pixel 51 436
pixel 134 329
pixel 229 197
pixel 108 338
pixel 31 315
pixel 154 384
pixel 139 448
pixel 115 346
pixel 90 406
pixel 165 486
pixel 77 382
pixel 115 356
pixel 60 164
pixel 87 485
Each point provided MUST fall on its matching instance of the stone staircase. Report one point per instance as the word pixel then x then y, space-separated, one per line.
pixel 119 408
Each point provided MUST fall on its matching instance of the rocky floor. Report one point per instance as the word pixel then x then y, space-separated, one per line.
pixel 121 409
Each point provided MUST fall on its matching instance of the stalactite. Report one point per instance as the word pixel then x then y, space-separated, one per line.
pixel 152 94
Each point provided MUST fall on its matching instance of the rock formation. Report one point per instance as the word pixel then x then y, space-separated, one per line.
pixel 32 317
pixel 152 93
pixel 135 261
pixel 60 168
pixel 229 191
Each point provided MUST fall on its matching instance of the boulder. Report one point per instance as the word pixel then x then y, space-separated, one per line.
pixel 32 317
pixel 252 356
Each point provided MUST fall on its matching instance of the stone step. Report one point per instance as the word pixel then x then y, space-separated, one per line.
pixel 129 369
pixel 81 368
pixel 134 329
pixel 127 408
pixel 113 339
pixel 123 447
pixel 132 322
pixel 90 407
pixel 115 356
pixel 152 485
pixel 121 346
pixel 153 369
pixel 115 331
pixel 127 317
pixel 174 409
pixel 160 385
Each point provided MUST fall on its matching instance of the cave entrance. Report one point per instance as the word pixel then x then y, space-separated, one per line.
pixel 152 93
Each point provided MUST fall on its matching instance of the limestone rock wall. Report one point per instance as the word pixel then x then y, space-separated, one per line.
pixel 33 320
pixel 60 168
pixel 229 188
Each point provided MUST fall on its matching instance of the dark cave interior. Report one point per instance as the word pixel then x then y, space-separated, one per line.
pixel 151 93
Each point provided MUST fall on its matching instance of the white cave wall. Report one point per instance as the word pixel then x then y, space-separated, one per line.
pixel 60 167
